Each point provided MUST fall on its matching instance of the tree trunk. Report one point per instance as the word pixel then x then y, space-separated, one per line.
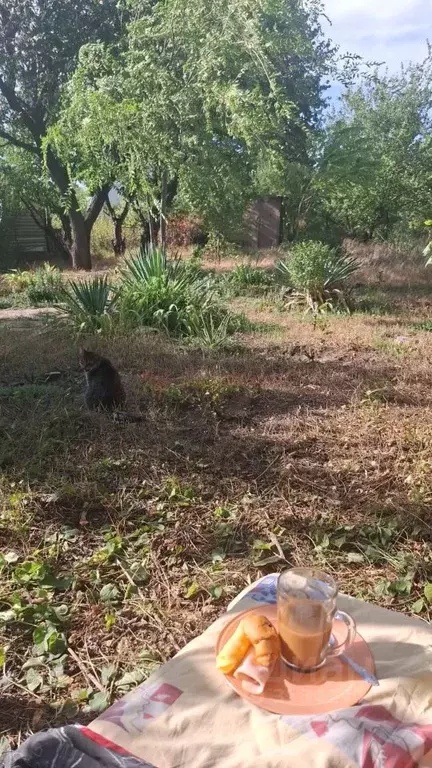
pixel 119 241
pixel 163 209
pixel 67 231
pixel 80 251
pixel 145 233
pixel 154 230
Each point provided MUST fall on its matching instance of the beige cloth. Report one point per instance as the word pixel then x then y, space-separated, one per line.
pixel 185 714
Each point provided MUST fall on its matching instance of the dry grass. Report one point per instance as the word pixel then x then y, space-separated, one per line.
pixel 308 443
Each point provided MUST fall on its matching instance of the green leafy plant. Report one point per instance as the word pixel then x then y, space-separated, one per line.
pixel 210 329
pixel 45 285
pixel 88 304
pixel 17 280
pixel 245 277
pixel 316 275
pixel 162 293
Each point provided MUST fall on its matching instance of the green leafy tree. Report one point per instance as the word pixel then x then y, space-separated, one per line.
pixel 376 160
pixel 39 45
pixel 199 97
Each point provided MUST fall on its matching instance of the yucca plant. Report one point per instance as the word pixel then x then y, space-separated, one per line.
pixel 88 304
pixel 159 292
pixel 210 329
pixel 316 275
pixel 147 265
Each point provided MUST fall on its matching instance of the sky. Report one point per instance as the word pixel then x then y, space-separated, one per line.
pixel 393 31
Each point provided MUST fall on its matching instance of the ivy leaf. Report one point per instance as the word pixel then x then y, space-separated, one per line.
pixel 39 635
pixel 34 661
pixel 130 679
pixel 7 616
pixel 218 556
pixel 216 592
pixel 355 557
pixel 193 590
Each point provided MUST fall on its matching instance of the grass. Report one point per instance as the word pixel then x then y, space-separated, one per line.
pixel 307 444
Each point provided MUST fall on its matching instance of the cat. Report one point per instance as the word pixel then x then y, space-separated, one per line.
pixel 104 388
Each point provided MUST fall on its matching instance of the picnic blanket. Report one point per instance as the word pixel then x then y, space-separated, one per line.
pixel 185 714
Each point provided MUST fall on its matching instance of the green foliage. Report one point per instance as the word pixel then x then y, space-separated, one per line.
pixel 45 285
pixel 245 277
pixel 88 304
pixel 210 329
pixel 153 291
pixel 317 274
pixel 17 280
pixel 214 102
pixel 161 293
pixel 374 164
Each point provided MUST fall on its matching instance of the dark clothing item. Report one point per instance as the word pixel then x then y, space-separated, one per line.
pixel 70 747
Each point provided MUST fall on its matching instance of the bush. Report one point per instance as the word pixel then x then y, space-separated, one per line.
pixel 42 285
pixel 246 277
pixel 162 293
pixel 89 304
pixel 45 285
pixel 156 292
pixel 185 230
pixel 317 275
pixel 17 280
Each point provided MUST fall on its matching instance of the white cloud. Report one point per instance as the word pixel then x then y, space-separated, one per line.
pixel 393 31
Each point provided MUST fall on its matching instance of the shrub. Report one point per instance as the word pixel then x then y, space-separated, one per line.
pixel 161 293
pixel 212 328
pixel 45 285
pixel 89 304
pixel 17 280
pixel 185 230
pixel 42 285
pixel 246 277
pixel 316 273
pixel 156 292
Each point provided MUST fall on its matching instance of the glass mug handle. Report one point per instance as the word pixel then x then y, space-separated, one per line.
pixel 336 650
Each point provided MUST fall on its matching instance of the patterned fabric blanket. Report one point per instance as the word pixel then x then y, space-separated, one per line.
pixel 185 715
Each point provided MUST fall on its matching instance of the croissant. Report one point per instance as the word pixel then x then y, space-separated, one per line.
pixel 234 651
pixel 264 638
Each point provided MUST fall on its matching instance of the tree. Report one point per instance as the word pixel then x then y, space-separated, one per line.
pixel 375 164
pixel 200 96
pixel 39 45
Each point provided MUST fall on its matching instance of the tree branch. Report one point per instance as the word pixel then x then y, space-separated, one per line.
pixel 18 143
pixel 96 205
pixel 120 218
pixel 111 210
pixel 18 106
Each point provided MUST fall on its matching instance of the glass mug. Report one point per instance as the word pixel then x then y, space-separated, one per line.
pixel 306 608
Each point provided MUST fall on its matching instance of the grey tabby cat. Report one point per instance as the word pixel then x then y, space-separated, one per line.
pixel 104 388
